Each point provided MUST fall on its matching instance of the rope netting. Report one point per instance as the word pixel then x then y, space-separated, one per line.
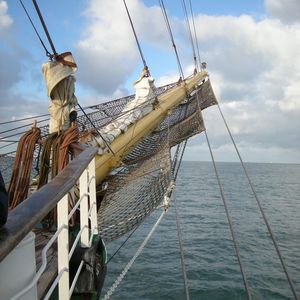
pixel 139 186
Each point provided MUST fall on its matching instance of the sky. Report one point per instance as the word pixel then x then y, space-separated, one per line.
pixel 251 48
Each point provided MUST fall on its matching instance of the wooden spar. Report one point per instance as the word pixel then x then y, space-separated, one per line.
pixel 124 143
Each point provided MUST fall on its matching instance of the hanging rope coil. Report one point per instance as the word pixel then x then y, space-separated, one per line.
pixel 70 136
pixel 19 183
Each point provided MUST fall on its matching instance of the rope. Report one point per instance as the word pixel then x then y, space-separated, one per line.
pixel 23 119
pixel 129 236
pixel 135 36
pixel 262 211
pixel 180 159
pixel 39 37
pixel 70 136
pixel 195 32
pixel 237 251
pixel 130 263
pixel 19 183
pixel 189 31
pixel 23 126
pixel 45 159
pixel 162 6
pixel 45 27
pixel 185 280
pixel 105 142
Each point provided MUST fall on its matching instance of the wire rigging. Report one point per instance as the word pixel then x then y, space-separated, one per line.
pixel 189 31
pixel 44 26
pixel 236 247
pixel 195 32
pixel 163 9
pixel 261 210
pixel 185 279
pixel 135 36
pixel 39 37
pixel 130 263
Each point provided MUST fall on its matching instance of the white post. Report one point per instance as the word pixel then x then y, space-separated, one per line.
pixel 93 203
pixel 63 247
pixel 84 208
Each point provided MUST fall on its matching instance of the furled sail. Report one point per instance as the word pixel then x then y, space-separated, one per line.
pixel 143 181
pixel 60 84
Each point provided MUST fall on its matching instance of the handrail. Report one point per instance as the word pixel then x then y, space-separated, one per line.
pixel 31 211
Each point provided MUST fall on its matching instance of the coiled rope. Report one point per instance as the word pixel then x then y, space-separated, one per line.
pixel 19 183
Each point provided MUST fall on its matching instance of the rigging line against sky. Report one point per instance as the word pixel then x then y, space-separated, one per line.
pixel 251 48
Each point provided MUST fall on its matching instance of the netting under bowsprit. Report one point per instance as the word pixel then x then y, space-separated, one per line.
pixel 133 194
pixel 139 187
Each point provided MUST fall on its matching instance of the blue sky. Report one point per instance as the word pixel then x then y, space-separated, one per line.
pixel 251 48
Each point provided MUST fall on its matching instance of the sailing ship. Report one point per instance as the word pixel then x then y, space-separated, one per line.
pixel 85 180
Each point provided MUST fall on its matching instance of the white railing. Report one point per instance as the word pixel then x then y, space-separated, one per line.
pixel 88 228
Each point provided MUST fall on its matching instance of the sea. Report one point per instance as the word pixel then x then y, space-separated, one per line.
pixel 210 261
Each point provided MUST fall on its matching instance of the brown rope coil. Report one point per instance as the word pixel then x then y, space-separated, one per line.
pixel 19 183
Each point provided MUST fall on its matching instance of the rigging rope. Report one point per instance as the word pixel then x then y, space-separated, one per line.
pixel 236 247
pixel 185 279
pixel 45 27
pixel 129 236
pixel 136 38
pixel 46 50
pixel 162 6
pixel 104 140
pixel 261 210
pixel 19 127
pixel 195 32
pixel 130 263
pixel 189 32
pixel 23 119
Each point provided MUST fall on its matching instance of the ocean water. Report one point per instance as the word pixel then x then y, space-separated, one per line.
pixel 211 265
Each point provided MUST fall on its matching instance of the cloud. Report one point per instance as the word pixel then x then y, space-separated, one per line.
pixel 5 19
pixel 254 67
pixel 107 52
pixel 13 60
pixel 287 11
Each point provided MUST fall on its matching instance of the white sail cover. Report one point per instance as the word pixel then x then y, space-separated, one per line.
pixel 141 105
pixel 60 89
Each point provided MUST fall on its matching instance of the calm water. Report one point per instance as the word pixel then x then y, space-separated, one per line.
pixel 211 264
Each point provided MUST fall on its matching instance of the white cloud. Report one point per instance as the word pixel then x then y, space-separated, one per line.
pixel 107 52
pixel 5 19
pixel 255 67
pixel 287 11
